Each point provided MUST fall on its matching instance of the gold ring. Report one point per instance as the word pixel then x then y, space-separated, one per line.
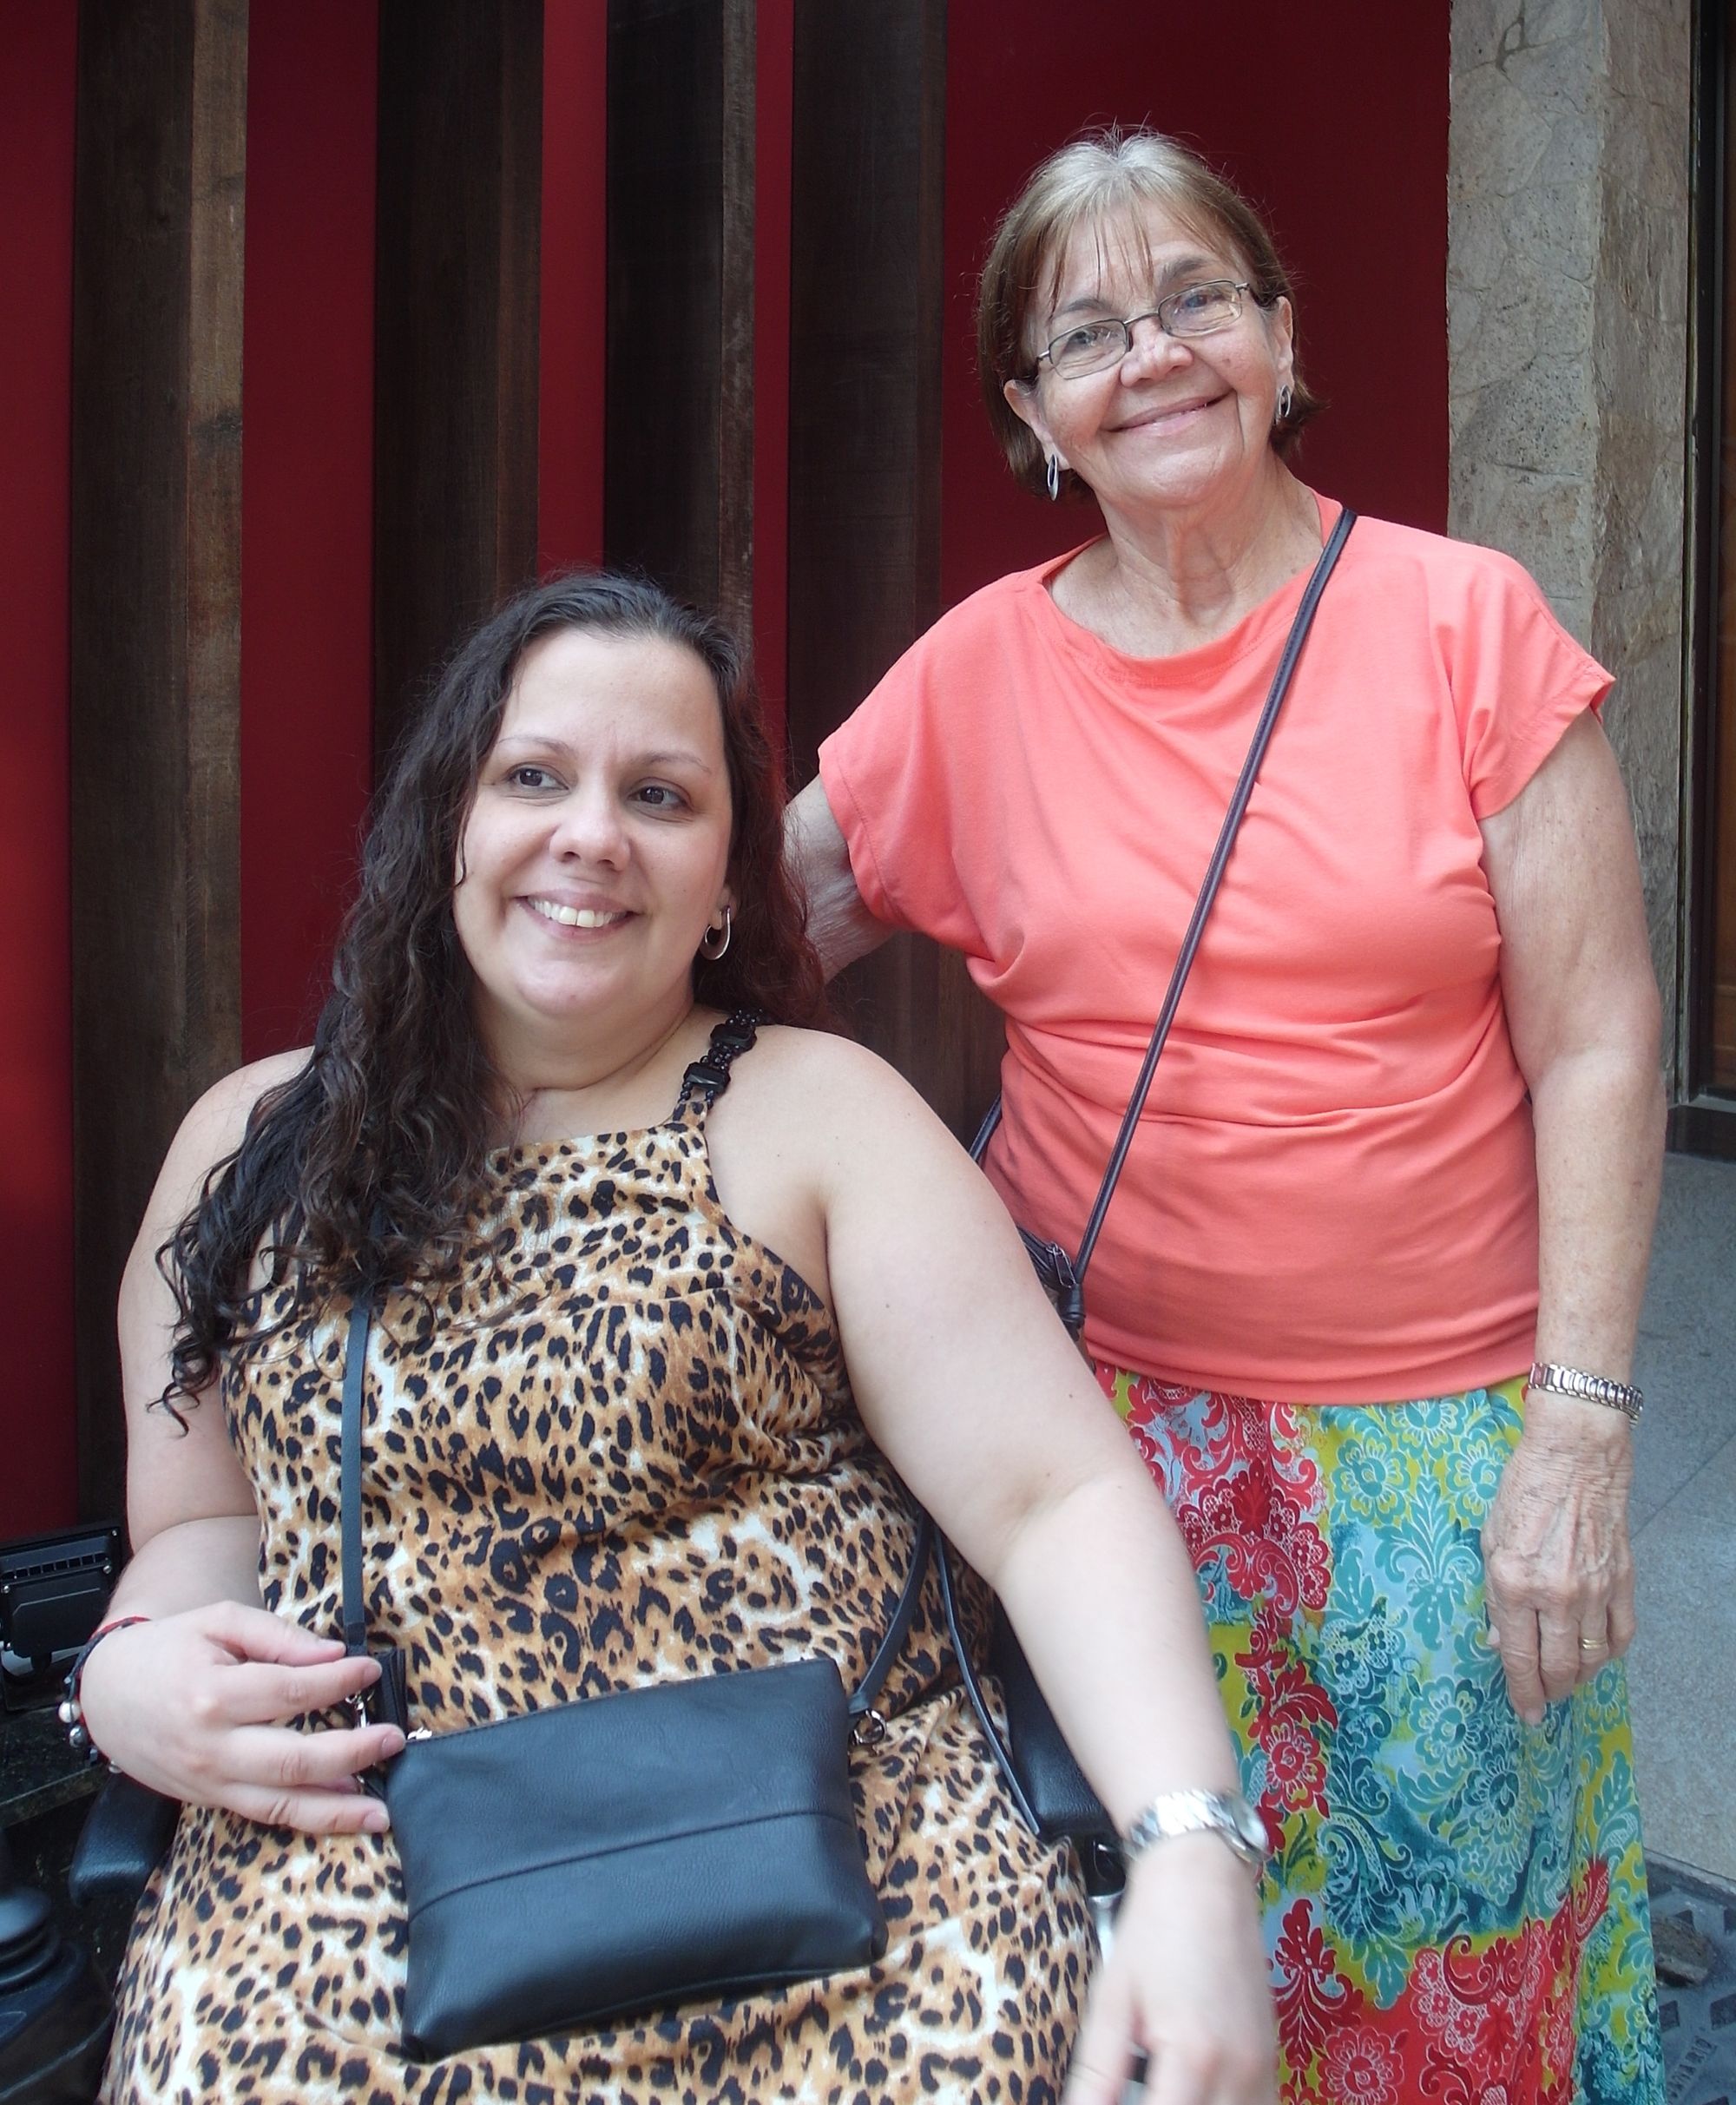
pixel 1592 1644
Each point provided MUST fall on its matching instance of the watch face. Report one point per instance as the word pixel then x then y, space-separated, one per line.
pixel 1245 1824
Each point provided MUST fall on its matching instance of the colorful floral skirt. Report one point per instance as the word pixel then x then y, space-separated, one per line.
pixel 1457 1908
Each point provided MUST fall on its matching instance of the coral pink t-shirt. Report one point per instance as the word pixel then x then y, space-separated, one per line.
pixel 1331 1196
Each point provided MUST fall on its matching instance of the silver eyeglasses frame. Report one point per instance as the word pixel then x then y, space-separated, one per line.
pixel 1167 314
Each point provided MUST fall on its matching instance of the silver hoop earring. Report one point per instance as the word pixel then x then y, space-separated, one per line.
pixel 1284 398
pixel 717 940
pixel 1052 477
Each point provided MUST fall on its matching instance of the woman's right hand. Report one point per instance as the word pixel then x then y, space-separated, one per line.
pixel 1185 1983
pixel 197 1705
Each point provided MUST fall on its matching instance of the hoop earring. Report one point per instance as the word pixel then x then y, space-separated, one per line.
pixel 1052 477
pixel 1284 398
pixel 717 941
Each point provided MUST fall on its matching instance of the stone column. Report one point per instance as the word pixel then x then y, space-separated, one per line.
pixel 1567 320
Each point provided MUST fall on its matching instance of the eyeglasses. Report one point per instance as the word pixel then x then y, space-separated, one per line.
pixel 1196 310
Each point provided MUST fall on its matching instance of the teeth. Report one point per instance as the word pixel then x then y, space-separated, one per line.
pixel 575 917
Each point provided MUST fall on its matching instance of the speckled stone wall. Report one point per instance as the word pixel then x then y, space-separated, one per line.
pixel 1569 235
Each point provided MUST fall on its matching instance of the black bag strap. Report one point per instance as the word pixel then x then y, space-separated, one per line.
pixel 973 1688
pixel 1073 1313
pixel 350 1471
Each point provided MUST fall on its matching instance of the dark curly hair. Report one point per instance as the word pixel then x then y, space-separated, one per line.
pixel 365 1166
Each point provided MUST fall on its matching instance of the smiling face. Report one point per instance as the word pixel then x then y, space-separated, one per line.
pixel 1180 421
pixel 596 851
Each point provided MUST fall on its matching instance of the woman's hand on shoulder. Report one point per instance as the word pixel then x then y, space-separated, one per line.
pixel 1185 1983
pixel 197 1705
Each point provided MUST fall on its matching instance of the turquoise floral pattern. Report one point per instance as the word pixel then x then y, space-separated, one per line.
pixel 1456 1905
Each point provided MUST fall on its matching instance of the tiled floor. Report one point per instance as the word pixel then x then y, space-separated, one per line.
pixel 1682 1670
pixel 1699 2023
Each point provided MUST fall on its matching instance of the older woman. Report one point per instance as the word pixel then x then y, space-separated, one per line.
pixel 1404 1142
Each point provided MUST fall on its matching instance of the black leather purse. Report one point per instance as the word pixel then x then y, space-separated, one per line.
pixel 690 1839
pixel 1046 1783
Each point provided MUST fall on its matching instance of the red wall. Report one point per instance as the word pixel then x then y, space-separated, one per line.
pixel 574 144
pixel 38 1460
pixel 1339 129
pixel 1332 118
pixel 306 498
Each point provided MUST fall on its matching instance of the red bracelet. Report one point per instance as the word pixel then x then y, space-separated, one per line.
pixel 71 1710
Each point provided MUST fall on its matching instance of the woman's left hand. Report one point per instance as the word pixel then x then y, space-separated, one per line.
pixel 1185 1983
pixel 1558 1572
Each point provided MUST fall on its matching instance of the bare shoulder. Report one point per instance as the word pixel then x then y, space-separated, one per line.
pixel 828 1089
pixel 214 1126
pixel 815 1133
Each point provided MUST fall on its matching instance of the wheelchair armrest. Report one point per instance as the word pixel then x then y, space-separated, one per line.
pixel 126 1834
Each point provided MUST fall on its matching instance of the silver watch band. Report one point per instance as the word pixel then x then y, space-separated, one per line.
pixel 1220 1812
pixel 1588 1388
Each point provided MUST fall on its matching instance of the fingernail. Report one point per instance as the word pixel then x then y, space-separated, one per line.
pixel 374 1821
pixel 392 1742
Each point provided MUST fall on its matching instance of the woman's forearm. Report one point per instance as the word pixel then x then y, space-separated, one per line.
pixel 840 926
pixel 1599 1121
pixel 1101 1591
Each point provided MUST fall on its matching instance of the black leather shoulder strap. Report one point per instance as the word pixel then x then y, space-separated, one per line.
pixel 350 1471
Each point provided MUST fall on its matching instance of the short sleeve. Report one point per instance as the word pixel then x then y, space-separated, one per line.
pixel 893 775
pixel 1518 678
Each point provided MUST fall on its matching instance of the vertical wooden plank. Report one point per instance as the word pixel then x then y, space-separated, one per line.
pixel 456 328
pixel 678 498
pixel 866 304
pixel 156 620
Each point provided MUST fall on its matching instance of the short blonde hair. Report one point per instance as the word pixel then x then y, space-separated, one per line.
pixel 1085 183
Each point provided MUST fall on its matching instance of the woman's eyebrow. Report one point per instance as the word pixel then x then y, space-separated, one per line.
pixel 1178 267
pixel 543 741
pixel 680 756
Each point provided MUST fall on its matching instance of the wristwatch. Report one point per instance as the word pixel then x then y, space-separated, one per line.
pixel 1220 1812
pixel 1621 1396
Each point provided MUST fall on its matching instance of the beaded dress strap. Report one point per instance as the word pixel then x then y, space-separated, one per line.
pixel 708 1078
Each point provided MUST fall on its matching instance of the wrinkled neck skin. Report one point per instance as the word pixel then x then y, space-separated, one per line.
pixel 1171 577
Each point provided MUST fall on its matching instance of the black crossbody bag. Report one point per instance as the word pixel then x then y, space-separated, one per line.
pixel 684 1841
pixel 1046 1783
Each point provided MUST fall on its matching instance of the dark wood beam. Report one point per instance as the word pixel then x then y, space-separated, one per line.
pixel 155 614
pixel 456 322
pixel 678 500
pixel 866 307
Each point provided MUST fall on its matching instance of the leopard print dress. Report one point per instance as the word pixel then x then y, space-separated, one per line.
pixel 620 1448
